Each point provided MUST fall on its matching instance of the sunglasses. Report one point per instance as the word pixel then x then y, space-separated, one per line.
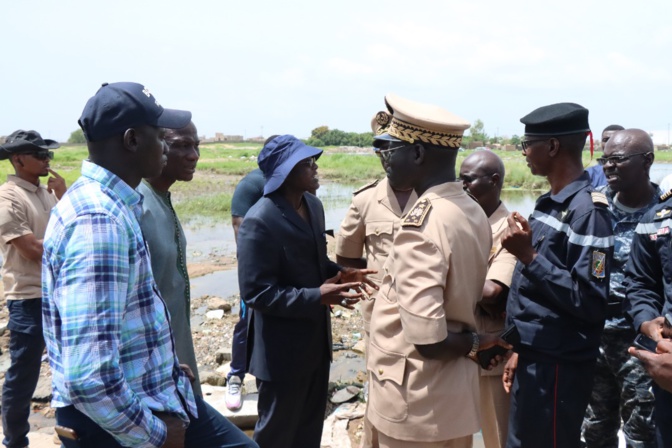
pixel 42 155
pixel 617 160
pixel 470 179
pixel 526 143
pixel 386 154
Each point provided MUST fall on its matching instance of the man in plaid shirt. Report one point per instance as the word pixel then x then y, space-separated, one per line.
pixel 116 378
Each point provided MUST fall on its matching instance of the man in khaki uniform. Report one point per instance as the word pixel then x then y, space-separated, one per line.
pixel 424 389
pixel 25 206
pixel 372 220
pixel 482 174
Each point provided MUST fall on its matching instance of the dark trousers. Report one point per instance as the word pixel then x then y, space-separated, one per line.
pixel 548 402
pixel 26 345
pixel 662 414
pixel 210 430
pixel 239 345
pixel 621 392
pixel 291 413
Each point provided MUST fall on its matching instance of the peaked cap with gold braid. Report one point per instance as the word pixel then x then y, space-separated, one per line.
pixel 413 122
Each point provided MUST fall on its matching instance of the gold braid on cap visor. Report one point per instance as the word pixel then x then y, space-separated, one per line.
pixel 410 133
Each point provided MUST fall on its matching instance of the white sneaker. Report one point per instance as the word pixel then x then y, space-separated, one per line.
pixel 234 395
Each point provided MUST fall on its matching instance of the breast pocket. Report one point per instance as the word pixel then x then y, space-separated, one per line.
pixel 388 396
pixel 379 235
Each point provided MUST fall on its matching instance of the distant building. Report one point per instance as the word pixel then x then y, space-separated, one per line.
pixel 258 139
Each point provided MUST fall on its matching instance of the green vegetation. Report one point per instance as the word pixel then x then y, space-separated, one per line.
pixel 323 136
pixel 223 165
pixel 77 137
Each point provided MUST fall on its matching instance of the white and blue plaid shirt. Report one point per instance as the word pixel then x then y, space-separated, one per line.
pixel 106 326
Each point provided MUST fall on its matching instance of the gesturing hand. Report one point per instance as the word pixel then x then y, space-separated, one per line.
pixel 335 293
pixel 510 372
pixel 517 238
pixel 56 184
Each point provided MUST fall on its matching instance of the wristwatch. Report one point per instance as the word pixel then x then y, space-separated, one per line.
pixel 475 343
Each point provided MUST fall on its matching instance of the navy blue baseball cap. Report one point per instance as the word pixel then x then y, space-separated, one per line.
pixel 279 156
pixel 122 105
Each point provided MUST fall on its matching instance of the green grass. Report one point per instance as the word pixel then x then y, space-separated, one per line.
pixel 223 164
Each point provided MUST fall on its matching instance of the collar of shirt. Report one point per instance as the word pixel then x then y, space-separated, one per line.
pixel 570 190
pixel 23 183
pixel 129 196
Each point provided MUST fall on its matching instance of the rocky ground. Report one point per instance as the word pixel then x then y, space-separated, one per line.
pixel 213 319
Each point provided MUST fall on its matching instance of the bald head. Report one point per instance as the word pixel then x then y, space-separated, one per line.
pixel 631 141
pixel 482 174
pixel 485 162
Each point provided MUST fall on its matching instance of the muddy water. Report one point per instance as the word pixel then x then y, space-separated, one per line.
pixel 208 239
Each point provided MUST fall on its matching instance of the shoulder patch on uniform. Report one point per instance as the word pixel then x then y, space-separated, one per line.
pixel 665 196
pixel 417 214
pixel 598 263
pixel 599 198
pixel 366 187
pixel 662 214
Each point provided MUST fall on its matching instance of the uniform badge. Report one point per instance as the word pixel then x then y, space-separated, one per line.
pixel 665 196
pixel 663 214
pixel 563 214
pixel 417 215
pixel 599 198
pixel 598 264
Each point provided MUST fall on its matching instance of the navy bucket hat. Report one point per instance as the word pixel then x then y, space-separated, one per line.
pixel 279 156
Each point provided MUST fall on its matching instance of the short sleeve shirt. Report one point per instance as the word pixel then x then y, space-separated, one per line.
pixel 369 227
pixel 247 193
pixel 432 281
pixel 24 209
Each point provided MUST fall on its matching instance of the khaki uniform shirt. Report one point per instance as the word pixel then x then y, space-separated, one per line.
pixel 501 265
pixel 370 225
pixel 432 281
pixel 24 209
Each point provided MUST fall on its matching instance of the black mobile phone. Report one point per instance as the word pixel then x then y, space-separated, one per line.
pixel 485 356
pixel 645 343
pixel 511 335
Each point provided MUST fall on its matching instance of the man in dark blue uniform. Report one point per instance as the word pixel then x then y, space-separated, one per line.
pixel 648 292
pixel 557 304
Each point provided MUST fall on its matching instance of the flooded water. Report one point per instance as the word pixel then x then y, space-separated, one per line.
pixel 210 239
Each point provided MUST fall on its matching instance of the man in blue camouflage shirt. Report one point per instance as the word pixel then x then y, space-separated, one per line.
pixel 620 383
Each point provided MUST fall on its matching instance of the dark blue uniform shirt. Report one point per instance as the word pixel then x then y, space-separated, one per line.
pixel 648 274
pixel 558 302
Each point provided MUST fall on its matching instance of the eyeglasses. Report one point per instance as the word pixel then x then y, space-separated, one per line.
pixel 470 179
pixel 526 143
pixel 617 160
pixel 42 155
pixel 310 161
pixel 386 154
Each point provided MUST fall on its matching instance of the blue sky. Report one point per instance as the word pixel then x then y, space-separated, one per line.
pixel 290 66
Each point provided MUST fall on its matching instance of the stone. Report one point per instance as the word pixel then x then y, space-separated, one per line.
pixel 217 303
pixel 223 354
pixel 345 394
pixel 359 347
pixel 213 379
pixel 250 385
pixel 214 314
pixel 43 390
pixel 244 418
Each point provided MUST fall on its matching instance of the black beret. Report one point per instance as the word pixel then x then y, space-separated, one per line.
pixel 557 119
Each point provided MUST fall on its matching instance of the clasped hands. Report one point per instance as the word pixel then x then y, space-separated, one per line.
pixel 347 287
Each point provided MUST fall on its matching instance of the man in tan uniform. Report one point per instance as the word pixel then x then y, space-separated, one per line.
pixel 482 174
pixel 424 388
pixel 25 206
pixel 372 220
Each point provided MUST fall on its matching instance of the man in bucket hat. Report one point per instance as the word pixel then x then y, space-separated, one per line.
pixel 289 284
pixel 25 206
pixel 116 378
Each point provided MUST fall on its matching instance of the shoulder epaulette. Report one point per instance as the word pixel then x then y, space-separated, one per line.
pixel 599 198
pixel 665 196
pixel 417 214
pixel 662 214
pixel 366 187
